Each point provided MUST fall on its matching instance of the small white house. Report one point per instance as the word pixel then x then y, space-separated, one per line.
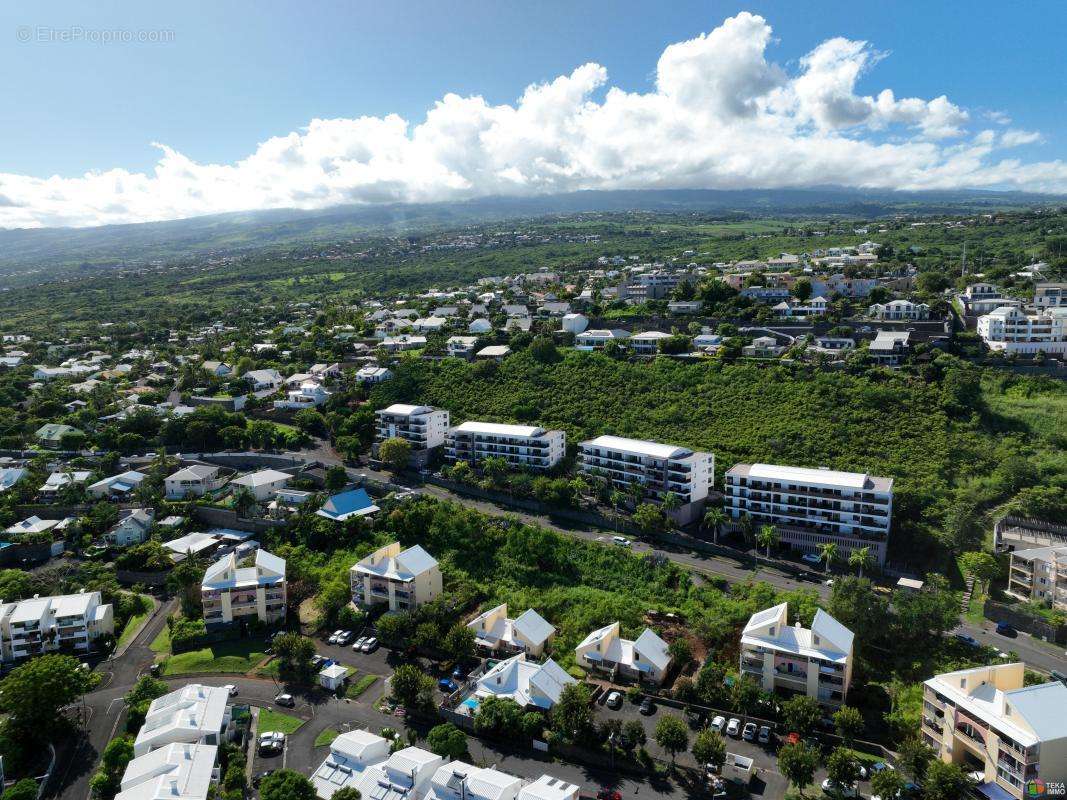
pixel 333 677
pixel 262 379
pixel 195 480
pixel 262 484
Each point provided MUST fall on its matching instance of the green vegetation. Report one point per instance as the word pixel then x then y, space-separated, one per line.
pixel 325 737
pixel 132 625
pixel 358 687
pixel 271 720
pixel 236 657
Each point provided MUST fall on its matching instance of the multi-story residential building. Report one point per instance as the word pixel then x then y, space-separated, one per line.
pixel 657 468
pixel 1040 575
pixel 987 720
pixel 899 309
pixel 195 480
pixel 597 338
pixel 792 660
pixel 175 772
pixel 231 592
pixel 310 394
pixel 60 480
pixel 423 427
pixel 647 343
pixel 889 347
pixel 1011 330
pixel 531 685
pixel 194 714
pixel 403 579
pixel 461 781
pixel 461 346
pixel 132 527
pixel 262 484
pixel 495 631
pixel 645 658
pixel 521 446
pixel 813 506
pixel 64 623
pixel 815 307
pixel 1050 295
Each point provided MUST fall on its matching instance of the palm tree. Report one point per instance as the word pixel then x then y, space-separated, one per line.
pixel 715 518
pixel 747 526
pixel 767 537
pixel 861 559
pixel 829 553
pixel 670 502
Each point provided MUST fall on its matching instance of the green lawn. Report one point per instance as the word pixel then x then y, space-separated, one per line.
pixel 237 657
pixel 135 621
pixel 326 737
pixel 161 644
pixel 271 720
pixel 356 688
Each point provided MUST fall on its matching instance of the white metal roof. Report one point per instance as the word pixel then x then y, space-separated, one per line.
pixel 822 477
pixel 637 447
pixel 499 429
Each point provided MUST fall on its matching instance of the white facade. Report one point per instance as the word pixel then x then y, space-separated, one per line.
pixel 174 772
pixel 64 623
pixel 521 446
pixel 193 481
pixel 230 592
pixel 791 660
pixel 1039 575
pixel 645 658
pixel 117 485
pixel 985 719
pixel 403 579
pixel 311 394
pixel 814 506
pixel 351 754
pixel 423 427
pixel 1012 330
pixel 528 633
pixel 528 683
pixel 574 323
pixel 647 342
pixel 899 309
pixel 194 714
pixel 597 338
pixel 262 484
pixel 1050 295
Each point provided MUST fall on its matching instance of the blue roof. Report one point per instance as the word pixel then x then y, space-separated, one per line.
pixel 994 791
pixel 355 502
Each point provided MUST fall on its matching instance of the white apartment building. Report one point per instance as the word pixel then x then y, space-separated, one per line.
pixel 404 579
pixel 645 658
pixel 1040 575
pixel 986 720
pixel 529 446
pixel 195 480
pixel 1012 330
pixel 194 714
pixel 310 394
pixel 792 660
pixel 658 468
pixel 230 592
pixel 174 772
pixel 899 310
pixel 1050 295
pixel 597 338
pixel 67 623
pixel 460 781
pixel 813 506
pixel 528 633
pixel 647 343
pixel 262 484
pixel 423 427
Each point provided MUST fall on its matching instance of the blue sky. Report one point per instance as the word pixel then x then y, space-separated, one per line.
pixel 236 73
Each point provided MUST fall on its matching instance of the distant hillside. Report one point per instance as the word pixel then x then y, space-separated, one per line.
pixel 35 254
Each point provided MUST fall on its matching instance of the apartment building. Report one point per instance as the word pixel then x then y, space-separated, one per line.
pixel 194 714
pixel 792 660
pixel 175 772
pixel 263 484
pixel 645 658
pixel 1050 295
pixel 495 631
pixel 899 310
pixel 813 506
pixel 597 338
pixel 987 720
pixel 195 480
pixel 647 343
pixel 68 623
pixel 528 446
pixel 1012 330
pixel 657 468
pixel 1040 575
pixel 423 427
pixel 403 579
pixel 310 394
pixel 230 592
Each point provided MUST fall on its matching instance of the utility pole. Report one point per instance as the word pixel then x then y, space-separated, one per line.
pixel 963 268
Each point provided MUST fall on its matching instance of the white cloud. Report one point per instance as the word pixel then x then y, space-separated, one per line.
pixel 721 115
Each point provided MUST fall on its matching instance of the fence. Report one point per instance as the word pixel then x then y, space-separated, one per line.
pixel 1025 622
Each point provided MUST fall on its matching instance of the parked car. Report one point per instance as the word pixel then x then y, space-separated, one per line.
pixel 880 766
pixel 271 736
pixel 608 794
pixel 862 768
pixel 261 776
pixel 811 558
pixel 447 685
pixel 344 638
pixel 232 689
pixel 155 669
pixel 285 700
pixel 459 674
pixel 358 644
pixel 733 727
pixel 370 645
pixel 334 637
pixel 614 700
pixel 317 661
pixel 718 724
pixel 748 733
pixel 835 789
pixel 647 707
pixel 1005 629
pixel 765 734
pixel 621 541
pixel 966 639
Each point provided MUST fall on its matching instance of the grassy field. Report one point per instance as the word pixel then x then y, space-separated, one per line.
pixel 270 720
pixel 358 687
pixel 134 622
pixel 326 737
pixel 161 644
pixel 236 657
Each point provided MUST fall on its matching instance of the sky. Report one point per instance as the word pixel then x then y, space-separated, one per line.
pixel 133 111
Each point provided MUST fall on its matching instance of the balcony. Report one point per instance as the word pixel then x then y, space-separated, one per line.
pixel 752 664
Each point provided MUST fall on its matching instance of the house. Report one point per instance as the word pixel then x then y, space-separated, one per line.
pixel 351 754
pixel 988 720
pixel 647 343
pixel 899 310
pixel 262 484
pixel 658 468
pixel 1012 330
pixel 405 775
pixel 516 310
pixel 195 480
pixel 815 307
pixel 811 507
pixel 791 660
pixel 194 714
pixel 554 308
pixel 480 325
pixel 644 659
pixel 311 394
pixel 889 347
pixel 263 379
pixel 372 375
pixel 461 346
pixel 343 506
pixel 10 476
pixel 403 579
pixel 35 524
pixel 429 324
pixel 62 623
pixel 192 544
pixel 519 445
pixel 132 527
pixel 494 351
pixel 574 323
pixel 333 677
pixel 175 772
pixel 396 344
pixel 529 633
pixel 229 591
pixel 685 306
pixel 597 339
pixel 1050 295
pixel 832 345
pixel 549 788
pixel 461 781
pixel 117 486
pixel 422 427
pixel 531 685
pixel 58 481
pixel 1039 575
pixel 220 369
pixel 51 435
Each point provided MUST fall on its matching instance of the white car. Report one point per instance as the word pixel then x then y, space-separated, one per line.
pixel 271 736
pixel 748 733
pixel 229 687
pixel 334 637
pixel 811 558
pixel 835 789
pixel 358 644
pixel 718 724
pixel 621 541
pixel 344 638
pixel 370 645
pixel 733 727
